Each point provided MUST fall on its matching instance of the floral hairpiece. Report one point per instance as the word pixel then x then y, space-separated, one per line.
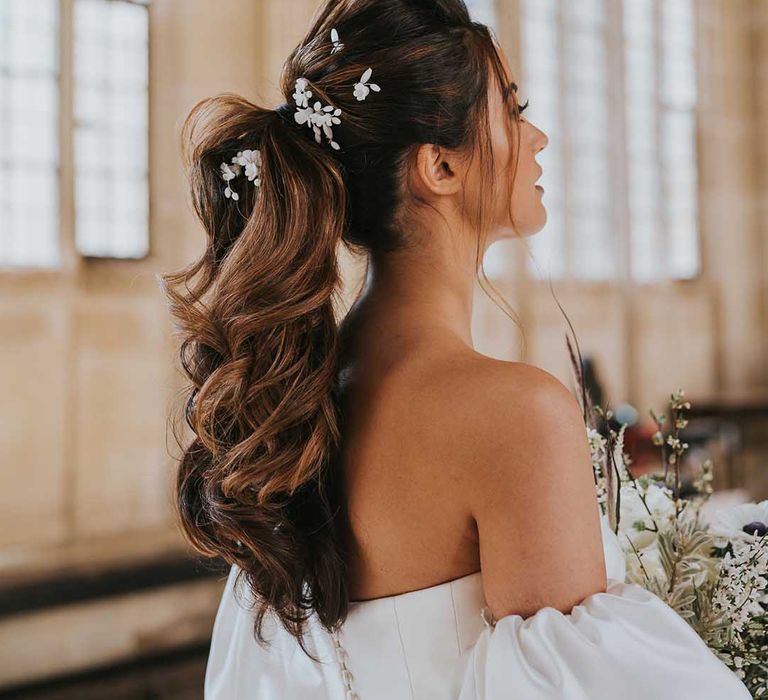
pixel 335 39
pixel 318 117
pixel 361 89
pixel 248 159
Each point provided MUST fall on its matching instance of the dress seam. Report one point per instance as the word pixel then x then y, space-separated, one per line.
pixel 456 620
pixel 402 646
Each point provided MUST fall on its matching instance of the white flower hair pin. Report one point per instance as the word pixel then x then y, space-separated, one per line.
pixel 251 161
pixel 248 159
pixel 337 46
pixel 316 117
pixel 362 89
pixel 229 174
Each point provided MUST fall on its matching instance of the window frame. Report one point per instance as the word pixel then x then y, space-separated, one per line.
pixel 72 263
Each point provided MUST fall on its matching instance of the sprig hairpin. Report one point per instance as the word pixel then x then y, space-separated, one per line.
pixel 248 159
pixel 318 117
pixel 335 40
pixel 361 89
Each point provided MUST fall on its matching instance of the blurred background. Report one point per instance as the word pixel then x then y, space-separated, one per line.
pixel 656 245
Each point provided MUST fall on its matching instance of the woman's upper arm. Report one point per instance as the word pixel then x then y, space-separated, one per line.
pixel 533 497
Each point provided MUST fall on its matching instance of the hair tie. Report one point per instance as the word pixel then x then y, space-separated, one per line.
pixel 285 111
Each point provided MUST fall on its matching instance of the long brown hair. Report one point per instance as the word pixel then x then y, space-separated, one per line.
pixel 258 485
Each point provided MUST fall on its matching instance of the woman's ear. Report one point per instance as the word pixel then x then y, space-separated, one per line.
pixel 436 171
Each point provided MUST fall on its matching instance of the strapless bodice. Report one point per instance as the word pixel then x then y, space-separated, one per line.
pixel 401 646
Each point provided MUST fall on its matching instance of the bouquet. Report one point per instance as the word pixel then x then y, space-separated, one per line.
pixel 713 574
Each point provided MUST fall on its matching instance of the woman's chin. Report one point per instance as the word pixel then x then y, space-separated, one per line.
pixel 528 227
pixel 533 227
pixel 542 220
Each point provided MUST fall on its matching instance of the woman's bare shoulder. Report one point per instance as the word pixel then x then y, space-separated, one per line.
pixel 503 410
pixel 472 401
pixel 486 389
pixel 527 482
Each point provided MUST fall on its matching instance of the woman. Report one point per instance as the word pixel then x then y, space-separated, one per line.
pixel 404 517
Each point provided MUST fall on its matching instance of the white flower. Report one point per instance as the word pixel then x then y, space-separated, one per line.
pixel 335 39
pixel 597 449
pixel 251 161
pixel 621 458
pixel 228 173
pixel 303 115
pixel 649 563
pixel 302 95
pixel 743 523
pixel 741 585
pixel 636 522
pixel 361 89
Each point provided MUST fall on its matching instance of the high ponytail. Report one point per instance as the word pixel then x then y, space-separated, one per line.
pixel 260 484
pixel 256 315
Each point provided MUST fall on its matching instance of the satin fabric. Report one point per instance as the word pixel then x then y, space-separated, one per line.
pixel 624 643
pixel 437 643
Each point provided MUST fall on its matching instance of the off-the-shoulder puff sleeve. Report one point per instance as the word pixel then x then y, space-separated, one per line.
pixel 623 643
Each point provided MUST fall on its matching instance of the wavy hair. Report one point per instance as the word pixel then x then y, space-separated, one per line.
pixel 258 485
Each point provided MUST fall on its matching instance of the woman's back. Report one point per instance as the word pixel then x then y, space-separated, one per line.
pixel 408 525
pixel 425 418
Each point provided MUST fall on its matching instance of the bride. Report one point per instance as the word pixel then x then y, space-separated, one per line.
pixel 403 517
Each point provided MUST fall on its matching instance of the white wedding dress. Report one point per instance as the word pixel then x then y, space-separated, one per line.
pixel 437 643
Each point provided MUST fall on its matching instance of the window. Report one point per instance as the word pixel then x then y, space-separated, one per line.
pixel 29 139
pixel 111 128
pixel 660 95
pixel 108 67
pixel 613 86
